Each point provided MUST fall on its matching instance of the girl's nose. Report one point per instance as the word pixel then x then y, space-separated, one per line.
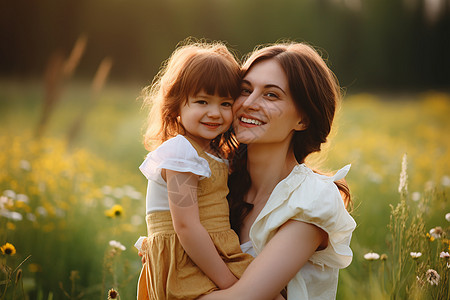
pixel 213 112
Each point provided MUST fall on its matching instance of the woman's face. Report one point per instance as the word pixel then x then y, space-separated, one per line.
pixel 265 111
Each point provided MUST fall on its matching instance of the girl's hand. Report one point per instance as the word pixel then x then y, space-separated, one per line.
pixel 142 257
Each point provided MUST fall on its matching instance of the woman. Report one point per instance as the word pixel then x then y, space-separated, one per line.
pixel 294 219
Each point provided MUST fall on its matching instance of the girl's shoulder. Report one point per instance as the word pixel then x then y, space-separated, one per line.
pixel 176 154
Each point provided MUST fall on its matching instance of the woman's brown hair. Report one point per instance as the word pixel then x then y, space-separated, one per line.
pixel 194 66
pixel 316 93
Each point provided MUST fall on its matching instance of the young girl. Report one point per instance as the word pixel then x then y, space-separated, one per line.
pixel 190 249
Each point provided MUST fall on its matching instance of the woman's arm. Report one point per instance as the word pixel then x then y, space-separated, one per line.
pixel 182 189
pixel 284 255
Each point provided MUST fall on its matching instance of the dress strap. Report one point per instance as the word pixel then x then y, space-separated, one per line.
pixel 341 173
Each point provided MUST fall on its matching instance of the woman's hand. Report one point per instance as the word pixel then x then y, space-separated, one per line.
pixel 222 295
pixel 280 260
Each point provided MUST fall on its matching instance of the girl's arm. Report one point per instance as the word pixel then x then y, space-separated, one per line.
pixel 182 189
pixel 284 255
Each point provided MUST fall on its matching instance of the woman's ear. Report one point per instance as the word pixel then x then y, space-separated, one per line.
pixel 302 124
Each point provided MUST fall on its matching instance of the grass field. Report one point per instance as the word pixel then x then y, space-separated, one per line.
pixel 67 194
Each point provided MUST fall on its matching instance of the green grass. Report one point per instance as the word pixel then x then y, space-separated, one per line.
pixel 68 182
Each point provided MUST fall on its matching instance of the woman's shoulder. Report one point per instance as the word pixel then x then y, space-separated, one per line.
pixel 314 195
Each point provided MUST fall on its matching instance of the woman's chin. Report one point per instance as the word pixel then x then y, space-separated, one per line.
pixel 246 137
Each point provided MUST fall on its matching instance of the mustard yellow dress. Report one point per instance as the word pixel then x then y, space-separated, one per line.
pixel 168 272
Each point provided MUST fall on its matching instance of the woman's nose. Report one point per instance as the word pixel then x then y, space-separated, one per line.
pixel 251 102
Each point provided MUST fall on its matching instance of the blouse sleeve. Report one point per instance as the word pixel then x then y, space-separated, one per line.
pixel 326 210
pixel 176 154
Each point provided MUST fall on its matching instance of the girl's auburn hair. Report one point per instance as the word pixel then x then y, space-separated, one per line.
pixel 316 94
pixel 195 65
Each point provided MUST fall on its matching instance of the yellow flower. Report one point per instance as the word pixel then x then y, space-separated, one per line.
pixel 431 238
pixel 112 294
pixel 34 268
pixel 10 225
pixel 115 211
pixel 8 249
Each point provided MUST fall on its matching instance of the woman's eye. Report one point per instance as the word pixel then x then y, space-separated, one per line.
pixel 245 92
pixel 272 95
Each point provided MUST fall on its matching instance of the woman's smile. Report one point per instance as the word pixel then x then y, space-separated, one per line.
pixel 249 121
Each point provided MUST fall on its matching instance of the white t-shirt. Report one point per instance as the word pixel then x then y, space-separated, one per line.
pixel 312 198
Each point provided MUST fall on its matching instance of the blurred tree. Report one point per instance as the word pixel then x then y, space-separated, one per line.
pixel 371 44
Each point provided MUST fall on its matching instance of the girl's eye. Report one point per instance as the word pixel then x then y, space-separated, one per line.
pixel 201 102
pixel 227 104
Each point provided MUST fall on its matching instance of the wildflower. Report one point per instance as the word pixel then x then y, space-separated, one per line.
pixel 4 201
pixel 112 294
pixel 415 196
pixel 12 215
pixel 118 192
pixel 22 198
pixel 31 217
pixel 10 194
pixel 403 186
pixel 445 181
pixel 25 165
pixel 115 211
pixel 415 255
pixel 34 268
pixel 436 232
pixel 42 211
pixel 371 256
pixel 106 190
pixel 8 249
pixel 447 217
pixel 10 226
pixel 430 237
pixel 444 255
pixel 383 257
pixel 117 245
pixel 433 277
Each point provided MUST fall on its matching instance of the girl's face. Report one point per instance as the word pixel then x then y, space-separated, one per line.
pixel 205 116
pixel 265 111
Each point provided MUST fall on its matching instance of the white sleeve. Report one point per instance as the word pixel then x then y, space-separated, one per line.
pixel 325 209
pixel 176 154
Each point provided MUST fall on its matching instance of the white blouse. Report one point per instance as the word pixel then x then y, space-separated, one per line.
pixel 312 198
